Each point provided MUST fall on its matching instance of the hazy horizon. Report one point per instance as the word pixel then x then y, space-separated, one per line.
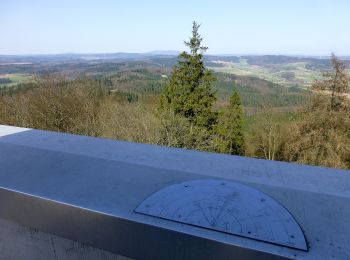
pixel 293 28
pixel 165 53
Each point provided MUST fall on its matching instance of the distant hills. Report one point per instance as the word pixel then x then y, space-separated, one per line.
pixel 84 56
pixel 157 53
pixel 288 71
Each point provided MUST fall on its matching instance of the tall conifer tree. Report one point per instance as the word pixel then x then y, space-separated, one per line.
pixel 189 92
pixel 230 127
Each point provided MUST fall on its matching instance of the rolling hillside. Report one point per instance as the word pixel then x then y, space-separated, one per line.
pixel 278 80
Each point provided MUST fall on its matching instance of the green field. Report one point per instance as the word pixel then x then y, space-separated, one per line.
pixel 16 78
pixel 289 74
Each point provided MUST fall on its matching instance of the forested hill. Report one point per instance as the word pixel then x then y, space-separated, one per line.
pixel 279 80
pixel 284 70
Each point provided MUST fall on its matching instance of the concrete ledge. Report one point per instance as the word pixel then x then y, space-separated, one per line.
pixel 86 189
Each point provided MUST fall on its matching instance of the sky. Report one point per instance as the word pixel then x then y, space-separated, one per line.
pixel 294 27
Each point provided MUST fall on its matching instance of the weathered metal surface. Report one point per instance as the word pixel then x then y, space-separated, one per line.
pixel 86 189
pixel 228 207
pixel 118 235
pixel 23 243
pixel 92 201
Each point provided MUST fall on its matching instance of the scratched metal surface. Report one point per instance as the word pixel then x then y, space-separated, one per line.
pixel 228 207
pixel 92 201
pixel 91 186
pixel 22 243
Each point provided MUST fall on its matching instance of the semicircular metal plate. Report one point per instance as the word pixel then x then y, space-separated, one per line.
pixel 226 206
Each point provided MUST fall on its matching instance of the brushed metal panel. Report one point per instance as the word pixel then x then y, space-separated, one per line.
pixel 226 206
